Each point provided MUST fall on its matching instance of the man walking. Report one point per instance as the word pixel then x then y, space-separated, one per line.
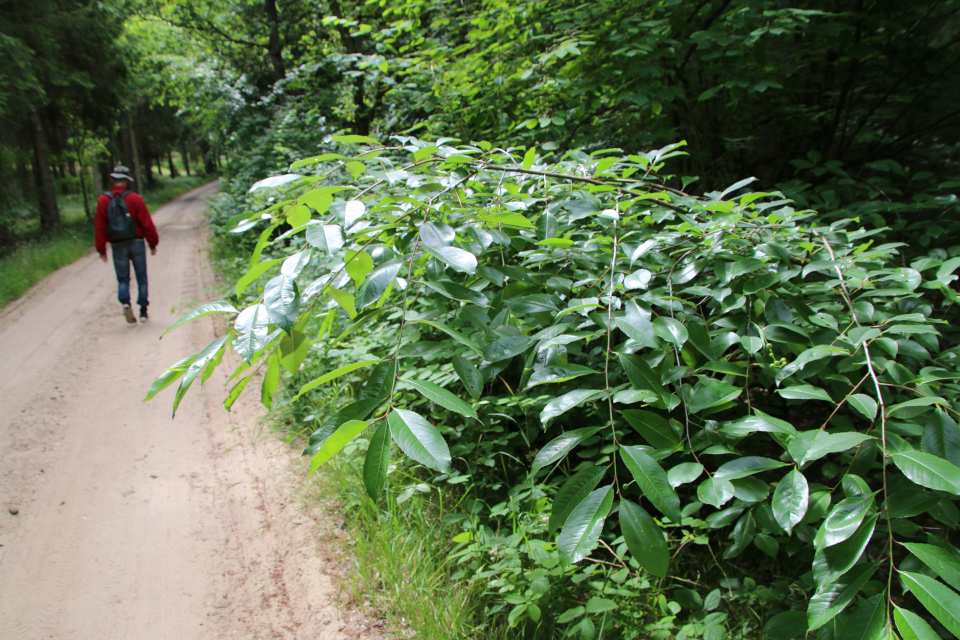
pixel 122 219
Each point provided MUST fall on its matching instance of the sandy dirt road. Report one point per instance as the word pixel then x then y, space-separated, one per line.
pixel 130 525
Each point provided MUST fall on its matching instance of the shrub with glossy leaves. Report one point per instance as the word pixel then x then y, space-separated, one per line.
pixel 635 368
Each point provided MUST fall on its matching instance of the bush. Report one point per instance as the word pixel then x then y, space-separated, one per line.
pixel 621 379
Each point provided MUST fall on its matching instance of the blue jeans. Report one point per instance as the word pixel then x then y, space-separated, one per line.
pixel 124 253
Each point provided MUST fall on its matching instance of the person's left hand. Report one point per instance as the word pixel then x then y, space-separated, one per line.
pixel 153 251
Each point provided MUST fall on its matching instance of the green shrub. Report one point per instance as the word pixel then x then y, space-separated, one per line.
pixel 664 415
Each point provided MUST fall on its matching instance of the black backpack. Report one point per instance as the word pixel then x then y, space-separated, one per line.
pixel 120 226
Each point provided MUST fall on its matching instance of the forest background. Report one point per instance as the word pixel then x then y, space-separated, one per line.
pixel 846 115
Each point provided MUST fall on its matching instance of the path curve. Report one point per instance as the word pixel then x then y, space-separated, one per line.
pixel 129 524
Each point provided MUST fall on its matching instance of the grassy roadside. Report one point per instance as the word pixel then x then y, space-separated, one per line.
pixel 36 259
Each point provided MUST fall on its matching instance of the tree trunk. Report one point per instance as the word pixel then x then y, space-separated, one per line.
pixel 159 158
pixel 148 168
pixel 134 154
pixel 173 168
pixel 274 46
pixel 83 186
pixel 46 190
pixel 23 177
pixel 185 157
pixel 104 170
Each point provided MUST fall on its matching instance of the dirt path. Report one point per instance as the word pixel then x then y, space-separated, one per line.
pixel 130 524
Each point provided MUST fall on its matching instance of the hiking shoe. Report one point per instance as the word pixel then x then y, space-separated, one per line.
pixel 143 314
pixel 128 314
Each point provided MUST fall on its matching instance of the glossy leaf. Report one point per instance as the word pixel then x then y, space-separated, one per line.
pixel 843 521
pixel 913 627
pixel 506 348
pixel 813 445
pixel 653 482
pixel 559 406
pixel 455 291
pixel 574 490
pixel 456 259
pixel 557 448
pixel 419 439
pixel 376 285
pixel 377 461
pixel 218 306
pixel 443 397
pixel 255 272
pixel 684 473
pixel 469 375
pixel 582 529
pixel 337 441
pixel 830 563
pixel 558 374
pixel 790 500
pixel 715 491
pixel 453 333
pixel 670 330
pixel 333 375
pixel 644 538
pixel 746 466
pixel 831 599
pixel 281 298
pixel 864 405
pixel 941 601
pixel 929 471
pixel 169 376
pixel 326 237
pixel 657 431
pixel 868 621
pixel 944 564
pixel 941 437
pixel 804 392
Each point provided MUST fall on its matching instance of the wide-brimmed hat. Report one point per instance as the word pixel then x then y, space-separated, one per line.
pixel 120 172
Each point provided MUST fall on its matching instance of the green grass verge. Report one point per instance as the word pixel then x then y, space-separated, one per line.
pixel 37 258
pixel 400 557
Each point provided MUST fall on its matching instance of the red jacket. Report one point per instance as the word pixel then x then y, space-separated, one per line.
pixel 138 211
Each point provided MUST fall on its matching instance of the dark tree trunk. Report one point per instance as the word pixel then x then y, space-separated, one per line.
pixel 173 168
pixel 185 157
pixel 148 167
pixel 159 159
pixel 103 168
pixel 274 46
pixel 134 155
pixel 46 190
pixel 23 178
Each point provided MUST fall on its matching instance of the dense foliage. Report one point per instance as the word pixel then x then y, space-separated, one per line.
pixel 618 376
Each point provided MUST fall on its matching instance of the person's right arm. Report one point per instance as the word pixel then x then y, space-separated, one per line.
pixel 100 226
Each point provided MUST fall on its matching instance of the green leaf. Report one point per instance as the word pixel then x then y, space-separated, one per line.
pixel 358 265
pixel 567 401
pixel 644 538
pixel 344 299
pixel 864 405
pixel 509 220
pixel 746 466
pixel 868 621
pixel 352 139
pixel 455 291
pixel 377 461
pixel 684 473
pixel 456 259
pixel 652 480
pixel 336 373
pixel 813 445
pixel 235 392
pixel 831 599
pixel 419 439
pixel 785 626
pixel 790 500
pixel 354 411
pixel 547 226
pixel 529 157
pixel 572 493
pixel 557 448
pixel 271 379
pixel 326 237
pixel 941 601
pixel 252 331
pixel 941 437
pixel 376 285
pixel 218 306
pixel 943 563
pixel 670 330
pixel 582 529
pixel 929 471
pixel 293 351
pixel 715 491
pixel 442 397
pixel 913 627
pixel 843 521
pixel 752 424
pixel 337 441
pixel 597 604
pixel 453 333
pixel 657 431
pixel 506 348
pixel 169 376
pixel 830 563
pixel 804 392
pixel 255 272
pixel 917 402
pixel 640 374
pixel 379 385
pixel 469 375
pixel 558 374
pixel 209 353
pixel 282 300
